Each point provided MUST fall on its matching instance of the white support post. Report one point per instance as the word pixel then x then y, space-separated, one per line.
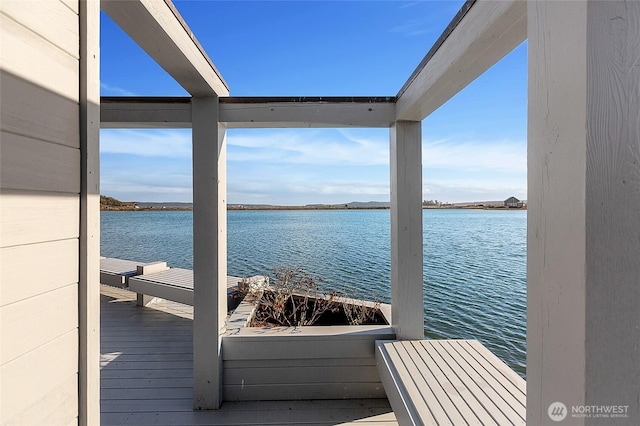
pixel 583 273
pixel 209 252
pixel 407 306
pixel 89 283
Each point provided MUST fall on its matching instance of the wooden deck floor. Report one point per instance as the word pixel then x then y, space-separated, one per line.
pixel 147 377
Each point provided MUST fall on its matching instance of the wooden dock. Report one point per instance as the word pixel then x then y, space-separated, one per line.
pixel 146 375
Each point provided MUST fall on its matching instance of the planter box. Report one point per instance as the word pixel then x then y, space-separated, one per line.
pixel 294 363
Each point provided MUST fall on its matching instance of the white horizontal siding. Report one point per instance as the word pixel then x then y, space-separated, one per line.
pixel 317 342
pixel 40 180
pixel 328 363
pixel 30 110
pixel 304 391
pixel 55 408
pixel 22 323
pixel 64 35
pixel 72 5
pixel 32 164
pixel 285 374
pixel 28 218
pixel 33 58
pixel 38 268
pixel 28 379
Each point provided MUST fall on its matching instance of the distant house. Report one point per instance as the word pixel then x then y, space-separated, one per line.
pixel 512 203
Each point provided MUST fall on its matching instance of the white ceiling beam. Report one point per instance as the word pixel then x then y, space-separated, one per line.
pixel 243 113
pixel 238 112
pixel 482 33
pixel 145 113
pixel 157 27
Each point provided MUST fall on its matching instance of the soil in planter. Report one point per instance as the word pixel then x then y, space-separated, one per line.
pixel 333 316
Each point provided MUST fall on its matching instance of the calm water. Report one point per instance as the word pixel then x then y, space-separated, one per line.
pixel 474 260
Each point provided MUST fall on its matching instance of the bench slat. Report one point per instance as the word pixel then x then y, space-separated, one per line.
pixel 486 382
pixel 431 375
pixel 507 373
pixel 480 395
pixel 392 374
pixel 458 391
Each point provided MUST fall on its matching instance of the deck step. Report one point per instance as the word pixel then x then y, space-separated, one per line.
pixel 433 382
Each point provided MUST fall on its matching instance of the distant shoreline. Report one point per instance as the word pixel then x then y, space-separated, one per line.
pixel 314 207
pixel 112 204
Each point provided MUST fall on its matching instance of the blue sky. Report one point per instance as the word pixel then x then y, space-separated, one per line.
pixel 474 146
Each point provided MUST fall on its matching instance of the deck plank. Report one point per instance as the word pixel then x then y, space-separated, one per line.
pixel 147 376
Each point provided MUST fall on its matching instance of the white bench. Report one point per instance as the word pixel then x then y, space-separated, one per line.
pixel 174 284
pixel 433 382
pixel 116 272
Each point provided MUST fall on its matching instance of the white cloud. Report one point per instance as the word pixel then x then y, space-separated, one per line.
pixel 475 156
pixel 109 90
pixel 412 28
pixel 305 192
pixel 321 147
pixel 486 188
pixel 302 166
pixel 146 143
pixel 309 147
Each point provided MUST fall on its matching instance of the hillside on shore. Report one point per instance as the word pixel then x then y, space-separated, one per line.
pixel 110 203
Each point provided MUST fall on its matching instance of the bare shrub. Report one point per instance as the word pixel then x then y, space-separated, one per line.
pixel 295 299
pixel 359 312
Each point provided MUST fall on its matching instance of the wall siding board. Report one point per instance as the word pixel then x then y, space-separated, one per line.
pixel 285 374
pixel 32 164
pixel 39 211
pixel 303 391
pixel 54 408
pixel 30 270
pixel 311 362
pixel 38 217
pixel 322 363
pixel 33 58
pixel 21 323
pixel 36 374
pixel 72 5
pixel 349 346
pixel 64 35
pixel 29 110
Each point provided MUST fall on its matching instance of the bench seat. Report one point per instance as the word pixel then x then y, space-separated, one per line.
pixel 116 272
pixel 175 284
pixel 433 382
